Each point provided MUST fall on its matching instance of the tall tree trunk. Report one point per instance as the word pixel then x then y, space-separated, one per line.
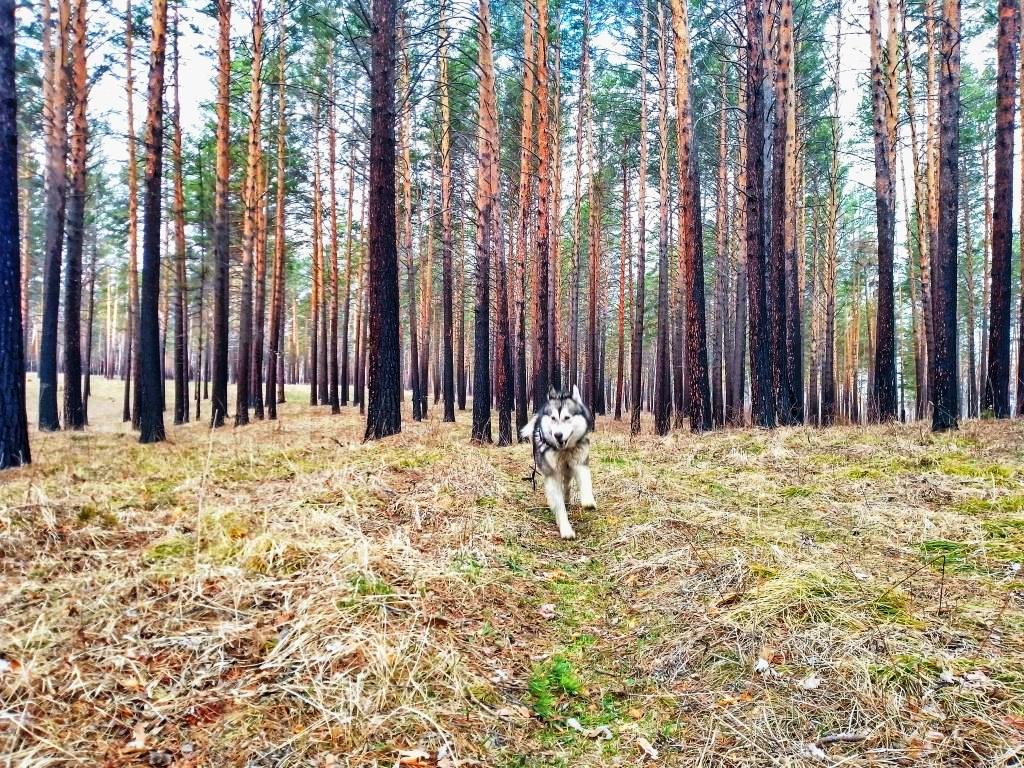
pixel 554 240
pixel 200 338
pixel 523 219
pixel 922 234
pixel 384 416
pixel 623 262
pixel 636 353
pixel 793 243
pixel 541 309
pixel 447 299
pixel 131 385
pixel 180 281
pixel 323 270
pixel 662 374
pixel 250 203
pixel 494 241
pixel 931 152
pixel 406 206
pixel 1020 314
pixel 986 279
pixel 14 446
pixel 332 156
pixel 945 385
pixel 883 394
pixel 346 303
pixel 90 317
pixel 762 410
pixel 486 239
pixel 996 392
pixel 812 412
pixel 592 375
pixel 427 298
pixel 316 271
pixel 151 422
pixel 735 378
pixel 775 289
pixel 583 133
pixel 74 412
pixel 460 328
pixel 55 190
pixel 698 405
pixel 970 291
pixel 719 322
pixel 25 244
pixel 259 301
pixel 221 216
pixel 277 307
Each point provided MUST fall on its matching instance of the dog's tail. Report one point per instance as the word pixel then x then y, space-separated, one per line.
pixel 527 431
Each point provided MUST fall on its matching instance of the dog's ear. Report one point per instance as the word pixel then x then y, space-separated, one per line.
pixel 576 394
pixel 552 393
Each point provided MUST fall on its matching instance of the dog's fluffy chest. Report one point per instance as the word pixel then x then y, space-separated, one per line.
pixel 552 461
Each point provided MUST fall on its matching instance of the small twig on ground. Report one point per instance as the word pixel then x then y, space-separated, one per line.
pixel 841 738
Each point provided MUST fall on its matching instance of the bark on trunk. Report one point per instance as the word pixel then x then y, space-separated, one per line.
pixel 14 445
pixel 996 390
pixel 945 394
pixel 221 235
pixel 384 416
pixel 636 346
pixel 151 417
pixel 54 191
pixel 74 412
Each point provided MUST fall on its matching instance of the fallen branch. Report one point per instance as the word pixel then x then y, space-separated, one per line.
pixel 841 738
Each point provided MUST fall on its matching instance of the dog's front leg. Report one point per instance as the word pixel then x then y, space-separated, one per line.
pixel 583 480
pixel 556 502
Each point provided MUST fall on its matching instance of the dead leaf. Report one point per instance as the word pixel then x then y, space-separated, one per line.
pixel 417 758
pixel 547 611
pixel 648 749
pixel 809 683
pixel 635 713
pixel 602 732
pixel 138 742
pixel 977 680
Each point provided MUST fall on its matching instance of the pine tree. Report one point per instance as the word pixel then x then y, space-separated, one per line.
pixel 996 389
pixel 636 346
pixel 276 340
pixel 55 191
pixel 945 394
pixel 221 216
pixel 14 445
pixel 151 417
pixel 383 406
pixel 74 410
pixel 884 392
pixel 180 276
pixel 762 401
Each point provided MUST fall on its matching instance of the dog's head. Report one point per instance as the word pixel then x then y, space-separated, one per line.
pixel 564 420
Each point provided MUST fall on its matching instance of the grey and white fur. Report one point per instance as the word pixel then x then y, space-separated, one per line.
pixel 560 436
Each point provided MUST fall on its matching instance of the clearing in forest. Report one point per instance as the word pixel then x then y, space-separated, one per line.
pixel 284 595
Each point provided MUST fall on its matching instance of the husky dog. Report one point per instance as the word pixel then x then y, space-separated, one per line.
pixel 559 434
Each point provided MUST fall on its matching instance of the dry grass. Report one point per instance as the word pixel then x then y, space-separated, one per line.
pixel 283 595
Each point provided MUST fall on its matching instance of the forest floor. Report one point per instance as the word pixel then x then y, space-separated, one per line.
pixel 284 595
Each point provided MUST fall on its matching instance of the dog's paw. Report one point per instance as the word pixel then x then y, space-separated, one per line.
pixel 567 532
pixel 590 503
